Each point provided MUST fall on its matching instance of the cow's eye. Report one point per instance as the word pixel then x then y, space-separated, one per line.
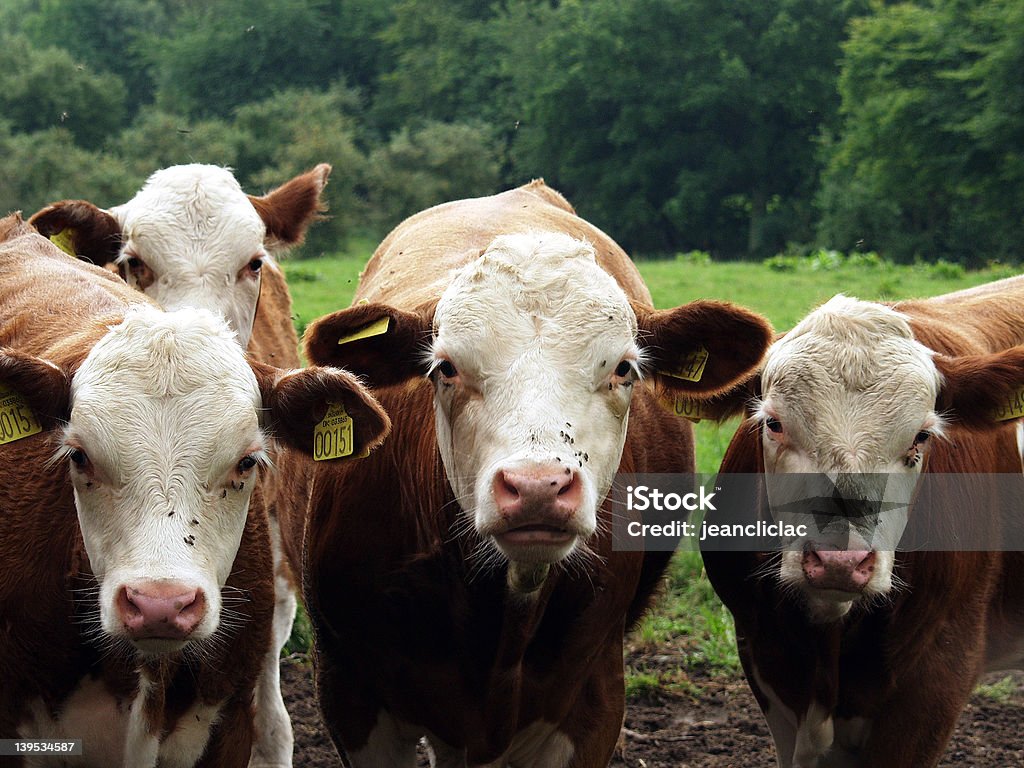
pixel 623 369
pixel 446 369
pixel 78 458
pixel 773 425
pixel 256 265
pixel 922 437
pixel 134 262
pixel 247 463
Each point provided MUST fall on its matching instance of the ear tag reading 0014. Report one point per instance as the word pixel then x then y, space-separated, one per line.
pixel 16 418
pixel 1013 408
pixel 691 367
pixel 682 406
pixel 332 437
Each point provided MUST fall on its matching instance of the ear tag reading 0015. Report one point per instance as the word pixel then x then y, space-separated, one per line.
pixel 16 418
pixel 1013 408
pixel 332 437
pixel 691 367
pixel 375 328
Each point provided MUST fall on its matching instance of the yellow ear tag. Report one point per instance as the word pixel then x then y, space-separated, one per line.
pixel 375 328
pixel 16 418
pixel 1013 408
pixel 332 437
pixel 682 406
pixel 692 366
pixel 65 241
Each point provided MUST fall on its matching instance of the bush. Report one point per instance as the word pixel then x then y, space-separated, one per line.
pixel 433 164
pixel 40 168
pixel 782 263
pixel 694 258
pixel 946 270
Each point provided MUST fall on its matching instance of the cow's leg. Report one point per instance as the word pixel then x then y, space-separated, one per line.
pixel 595 721
pixel 902 737
pixel 443 756
pixel 274 739
pixel 392 744
pixel 231 739
pixel 782 720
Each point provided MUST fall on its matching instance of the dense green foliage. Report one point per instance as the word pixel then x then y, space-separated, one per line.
pixel 740 128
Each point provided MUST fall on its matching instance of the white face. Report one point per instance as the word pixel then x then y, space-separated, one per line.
pixel 163 446
pixel 534 361
pixel 850 394
pixel 193 238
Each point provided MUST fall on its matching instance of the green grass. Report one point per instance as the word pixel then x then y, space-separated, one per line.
pixel 324 285
pixel 1000 691
pixel 689 618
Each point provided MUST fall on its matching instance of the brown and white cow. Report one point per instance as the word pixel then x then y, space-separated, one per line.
pixel 860 653
pixel 192 237
pixel 461 579
pixel 136 595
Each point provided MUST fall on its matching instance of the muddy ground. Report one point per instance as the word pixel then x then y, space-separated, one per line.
pixel 715 724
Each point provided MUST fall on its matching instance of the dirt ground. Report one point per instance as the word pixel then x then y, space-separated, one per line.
pixel 718 725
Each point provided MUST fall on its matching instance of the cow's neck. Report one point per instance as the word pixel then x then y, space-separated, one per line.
pixel 522 614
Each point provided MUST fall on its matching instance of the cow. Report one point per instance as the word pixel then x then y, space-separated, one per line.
pixel 861 652
pixel 461 580
pixel 136 587
pixel 192 237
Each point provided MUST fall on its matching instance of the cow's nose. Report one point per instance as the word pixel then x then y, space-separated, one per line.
pixel 845 570
pixel 551 491
pixel 160 610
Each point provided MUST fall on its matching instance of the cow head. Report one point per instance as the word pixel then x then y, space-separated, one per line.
pixel 849 409
pixel 191 237
pixel 534 352
pixel 164 445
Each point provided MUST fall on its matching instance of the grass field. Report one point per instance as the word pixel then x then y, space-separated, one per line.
pixel 689 617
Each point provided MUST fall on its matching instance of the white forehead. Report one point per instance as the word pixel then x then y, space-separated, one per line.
pixel 194 209
pixel 167 354
pixel 533 285
pixel 177 372
pixel 851 366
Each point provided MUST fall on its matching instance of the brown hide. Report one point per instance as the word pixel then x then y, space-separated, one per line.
pixel 411 266
pixel 907 664
pixel 407 619
pixel 56 307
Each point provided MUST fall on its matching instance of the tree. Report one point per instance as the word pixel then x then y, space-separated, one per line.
pixel 291 132
pixel 432 164
pixel 930 159
pixel 106 35
pixel 159 139
pixel 229 52
pixel 42 167
pixel 440 65
pixel 679 124
pixel 41 88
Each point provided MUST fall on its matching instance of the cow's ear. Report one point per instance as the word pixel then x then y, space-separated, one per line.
pixel 382 344
pixel 295 403
pixel 981 391
pixel 33 389
pixel 81 229
pixel 289 210
pixel 703 350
